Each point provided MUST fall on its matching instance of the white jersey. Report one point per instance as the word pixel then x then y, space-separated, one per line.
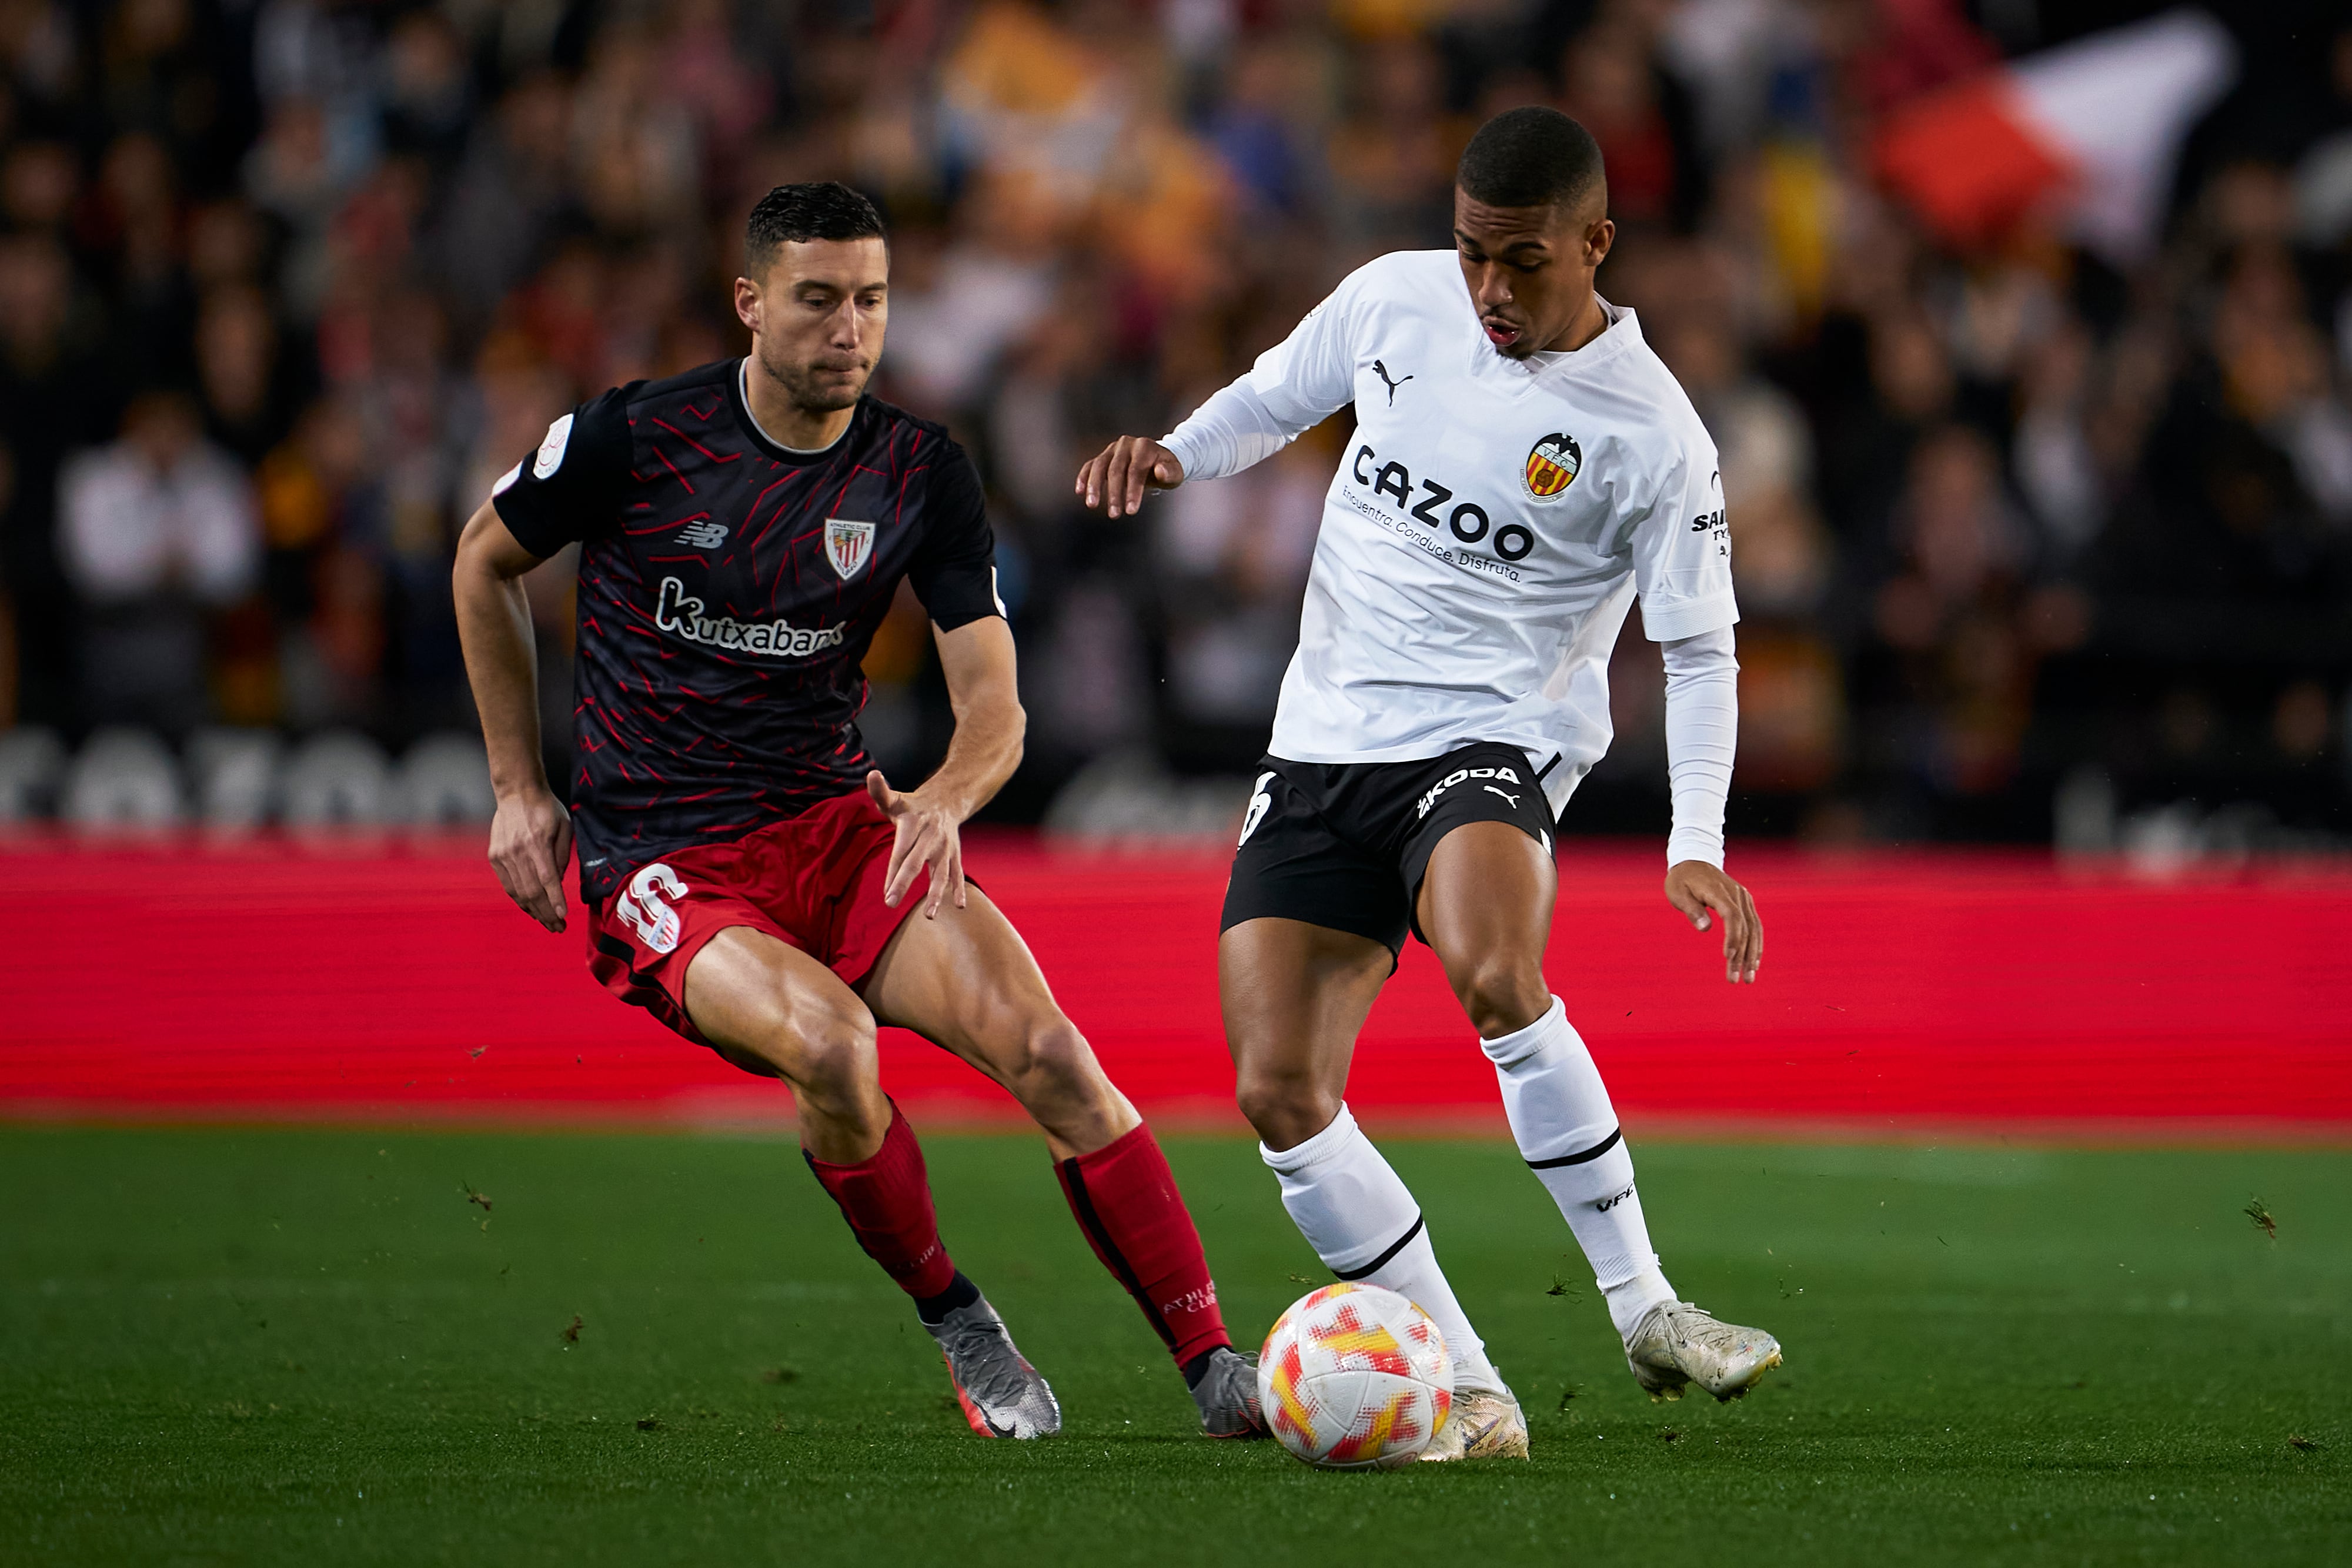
pixel 1487 530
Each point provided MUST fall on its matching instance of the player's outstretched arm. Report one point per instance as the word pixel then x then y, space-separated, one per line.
pixel 984 689
pixel 1294 386
pixel 530 836
pixel 1114 481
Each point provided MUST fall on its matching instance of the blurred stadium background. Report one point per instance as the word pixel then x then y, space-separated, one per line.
pixel 2024 327
pixel 2041 478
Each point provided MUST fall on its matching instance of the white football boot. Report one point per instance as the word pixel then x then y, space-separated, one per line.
pixel 1677 1344
pixel 1483 1425
pixel 1001 1393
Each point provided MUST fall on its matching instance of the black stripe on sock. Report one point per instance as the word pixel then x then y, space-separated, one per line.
pixel 1083 1202
pixel 1382 1261
pixel 1594 1152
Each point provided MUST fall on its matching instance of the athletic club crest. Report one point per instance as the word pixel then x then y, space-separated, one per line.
pixel 1552 466
pixel 847 545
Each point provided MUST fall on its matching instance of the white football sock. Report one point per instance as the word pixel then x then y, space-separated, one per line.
pixel 1568 1133
pixel 1357 1215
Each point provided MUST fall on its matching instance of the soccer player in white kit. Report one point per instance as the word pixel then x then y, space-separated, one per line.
pixel 1523 468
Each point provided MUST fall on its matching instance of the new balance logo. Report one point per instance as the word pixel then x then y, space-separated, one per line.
pixel 703 535
pixel 1391 382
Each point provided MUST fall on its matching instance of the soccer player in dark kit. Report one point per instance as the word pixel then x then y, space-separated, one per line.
pixel 752 881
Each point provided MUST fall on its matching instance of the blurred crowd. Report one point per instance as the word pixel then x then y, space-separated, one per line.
pixel 284 284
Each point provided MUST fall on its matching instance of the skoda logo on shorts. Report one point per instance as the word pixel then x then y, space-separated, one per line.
pixel 1461 775
pixel 1552 466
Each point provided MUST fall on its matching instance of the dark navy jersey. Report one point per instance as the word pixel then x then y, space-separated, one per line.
pixel 728 588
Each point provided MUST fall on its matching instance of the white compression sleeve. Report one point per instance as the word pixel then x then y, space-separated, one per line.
pixel 1232 430
pixel 1702 735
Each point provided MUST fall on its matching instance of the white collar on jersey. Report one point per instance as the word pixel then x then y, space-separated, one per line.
pixel 744 383
pixel 1611 317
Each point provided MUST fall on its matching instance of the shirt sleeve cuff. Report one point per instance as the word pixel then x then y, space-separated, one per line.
pixel 1694 845
pixel 1677 619
pixel 1186 451
pixel 525 525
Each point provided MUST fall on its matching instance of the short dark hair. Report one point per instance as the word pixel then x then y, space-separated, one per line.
pixel 1530 157
pixel 795 215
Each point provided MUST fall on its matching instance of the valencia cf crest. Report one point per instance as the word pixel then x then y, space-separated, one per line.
pixel 1552 466
pixel 848 545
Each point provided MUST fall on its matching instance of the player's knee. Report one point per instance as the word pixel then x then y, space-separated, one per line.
pixel 825 1049
pixel 1057 1062
pixel 1503 993
pixel 1284 1109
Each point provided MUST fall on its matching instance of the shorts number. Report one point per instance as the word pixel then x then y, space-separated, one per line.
pixel 1260 804
pixel 643 908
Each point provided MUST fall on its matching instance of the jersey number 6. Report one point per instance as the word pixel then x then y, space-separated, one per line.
pixel 643 906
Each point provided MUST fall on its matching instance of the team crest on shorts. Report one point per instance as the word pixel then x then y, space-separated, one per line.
pixel 847 545
pixel 1552 466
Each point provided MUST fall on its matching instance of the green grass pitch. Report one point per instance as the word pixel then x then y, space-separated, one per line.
pixel 314 1346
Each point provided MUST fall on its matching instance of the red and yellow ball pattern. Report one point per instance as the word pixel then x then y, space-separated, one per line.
pixel 1354 1377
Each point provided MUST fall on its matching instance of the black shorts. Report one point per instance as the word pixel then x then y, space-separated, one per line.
pixel 1345 844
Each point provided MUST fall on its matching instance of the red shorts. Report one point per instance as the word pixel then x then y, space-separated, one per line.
pixel 812 881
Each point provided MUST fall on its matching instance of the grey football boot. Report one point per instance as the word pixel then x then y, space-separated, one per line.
pixel 1001 1393
pixel 1677 1344
pixel 1227 1395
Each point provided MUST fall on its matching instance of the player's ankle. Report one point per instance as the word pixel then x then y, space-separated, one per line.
pixel 1196 1367
pixel 1633 1300
pixel 960 1292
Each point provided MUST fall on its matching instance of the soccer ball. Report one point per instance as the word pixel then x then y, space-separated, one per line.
pixel 1355 1377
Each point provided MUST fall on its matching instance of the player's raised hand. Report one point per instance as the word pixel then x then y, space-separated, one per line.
pixel 1113 482
pixel 1707 895
pixel 531 843
pixel 929 834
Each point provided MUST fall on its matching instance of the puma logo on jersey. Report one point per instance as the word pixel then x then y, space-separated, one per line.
pixel 1513 801
pixel 703 535
pixel 1392 382
pixel 1421 807
pixel 680 614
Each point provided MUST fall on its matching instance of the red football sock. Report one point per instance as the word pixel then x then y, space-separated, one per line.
pixel 1126 1203
pixel 887 1202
